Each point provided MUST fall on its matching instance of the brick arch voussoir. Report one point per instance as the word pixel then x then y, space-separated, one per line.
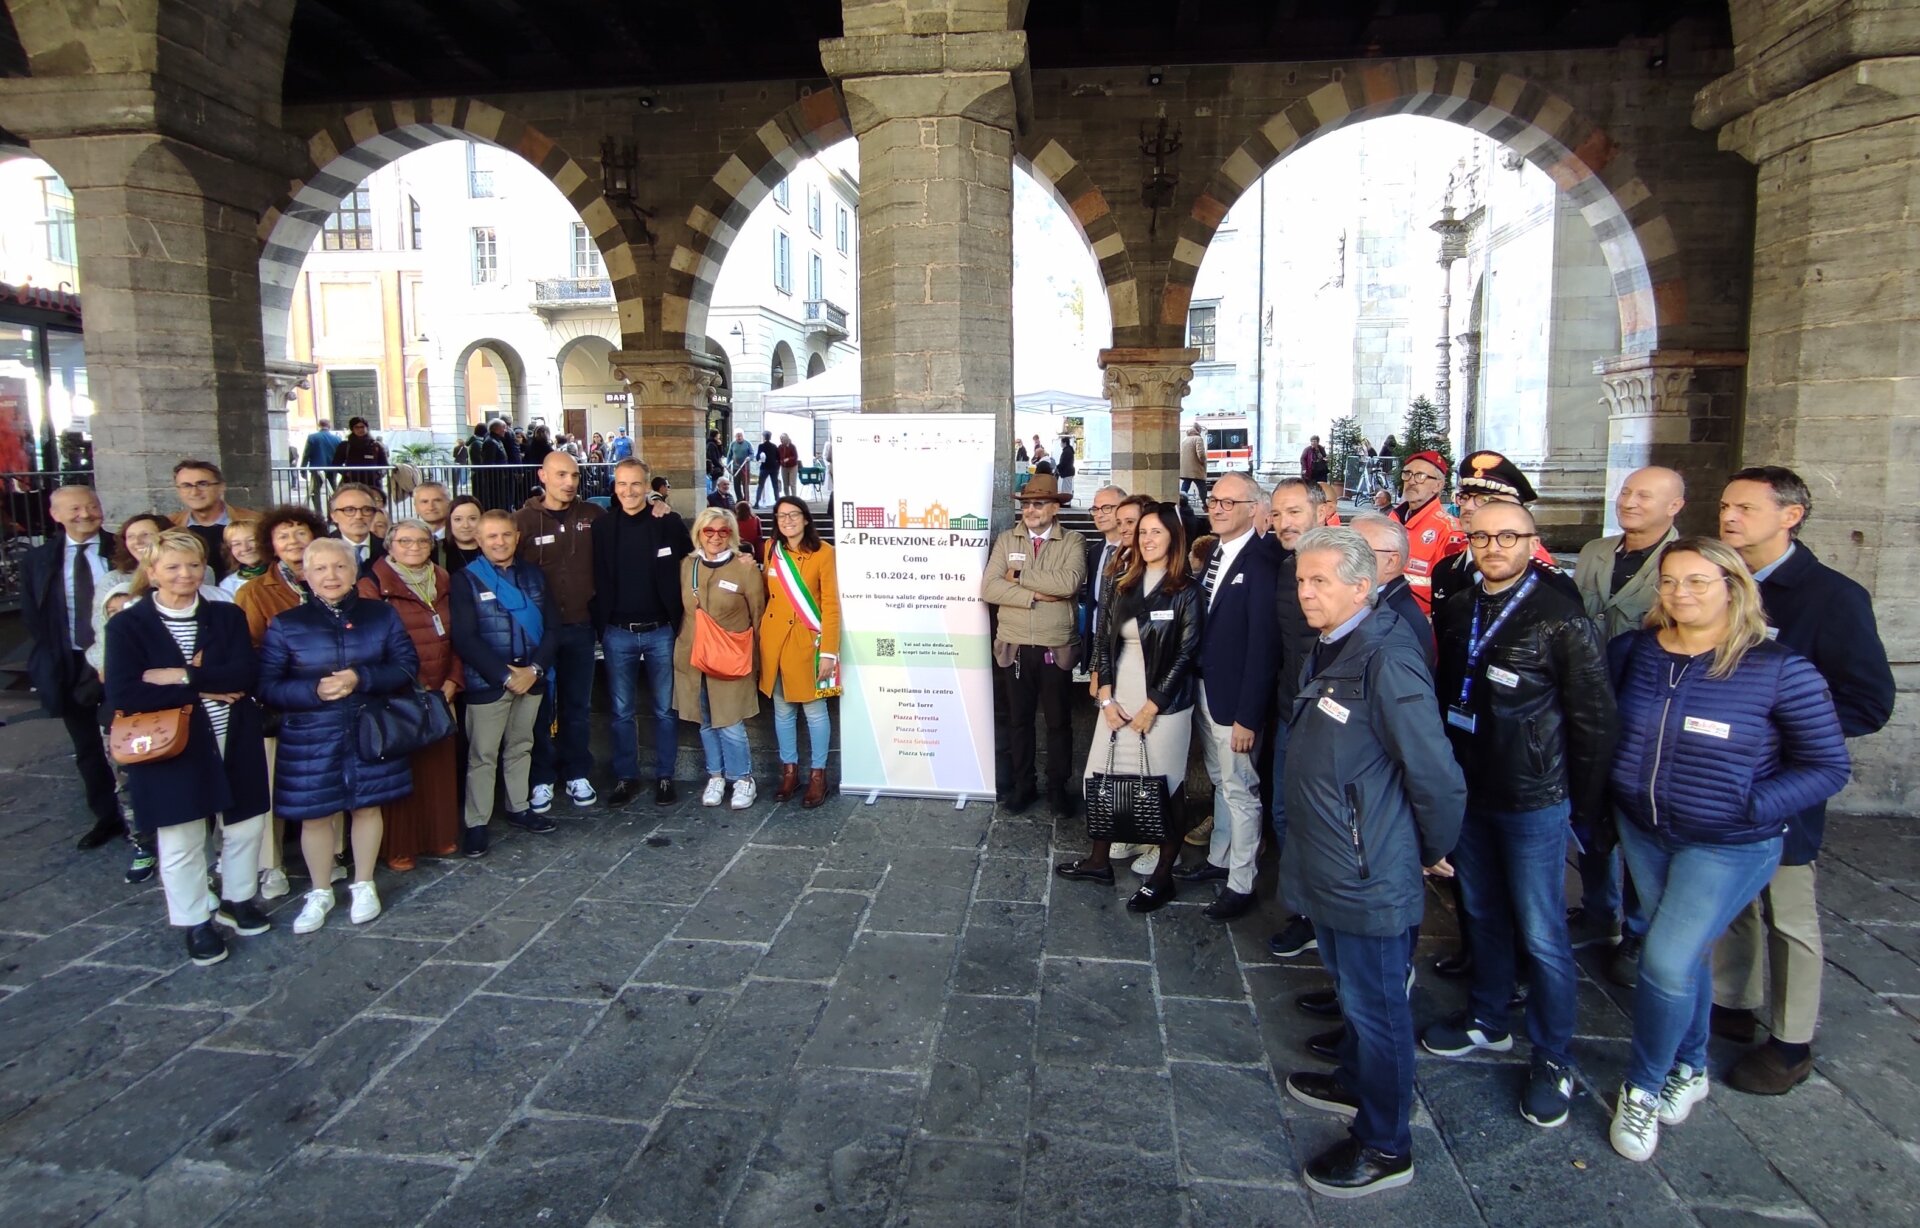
pixel 355 144
pixel 1580 156
pixel 721 207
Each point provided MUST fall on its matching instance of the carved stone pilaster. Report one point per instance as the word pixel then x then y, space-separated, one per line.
pixel 667 392
pixel 284 378
pixel 1675 408
pixel 1146 388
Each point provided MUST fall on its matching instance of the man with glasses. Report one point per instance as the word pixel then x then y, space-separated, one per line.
pixel 1528 707
pixel 1423 479
pixel 352 510
pixel 1388 539
pixel 1488 477
pixel 204 510
pixel 1101 550
pixel 636 609
pixel 1239 657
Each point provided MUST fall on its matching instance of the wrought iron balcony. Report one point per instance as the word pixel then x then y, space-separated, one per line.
pixel 822 316
pixel 551 292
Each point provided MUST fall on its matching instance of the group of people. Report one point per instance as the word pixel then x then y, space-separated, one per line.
pixel 283 651
pixel 731 468
pixel 1424 694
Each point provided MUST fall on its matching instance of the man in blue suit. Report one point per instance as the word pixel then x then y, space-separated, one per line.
pixel 1239 658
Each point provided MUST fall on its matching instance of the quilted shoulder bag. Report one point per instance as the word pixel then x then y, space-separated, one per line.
pixel 1128 809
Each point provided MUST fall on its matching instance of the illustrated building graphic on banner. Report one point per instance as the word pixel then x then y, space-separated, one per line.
pixel 936 516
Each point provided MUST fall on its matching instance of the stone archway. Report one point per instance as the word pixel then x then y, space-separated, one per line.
pixel 511 403
pixel 360 142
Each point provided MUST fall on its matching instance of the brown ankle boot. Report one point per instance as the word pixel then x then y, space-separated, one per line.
pixel 789 782
pixel 816 789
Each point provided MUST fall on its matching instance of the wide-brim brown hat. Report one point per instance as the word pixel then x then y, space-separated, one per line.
pixel 1040 488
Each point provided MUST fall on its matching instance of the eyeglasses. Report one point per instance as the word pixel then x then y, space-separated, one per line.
pixel 197 485
pixel 410 543
pixel 1224 504
pixel 1506 537
pixel 354 509
pixel 1694 585
pixel 1415 475
pixel 790 518
pixel 715 533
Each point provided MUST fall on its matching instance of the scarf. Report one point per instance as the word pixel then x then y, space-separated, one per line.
pixel 249 573
pixel 298 586
pixel 420 579
pixel 522 609
pixel 721 561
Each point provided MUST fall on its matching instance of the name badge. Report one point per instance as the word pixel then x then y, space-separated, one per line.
pixel 1505 677
pixel 486 595
pixel 439 629
pixel 730 586
pixel 663 552
pixel 1713 729
pixel 1161 616
pixel 1332 709
pixel 1466 722
pixel 545 539
pixel 1014 556
pixel 1773 633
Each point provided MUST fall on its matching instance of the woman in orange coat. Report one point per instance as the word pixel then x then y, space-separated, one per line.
pixel 800 645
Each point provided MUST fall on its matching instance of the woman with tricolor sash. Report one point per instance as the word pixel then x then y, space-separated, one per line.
pixel 800 646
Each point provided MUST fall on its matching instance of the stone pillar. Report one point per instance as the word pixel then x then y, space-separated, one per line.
pixel 933 90
pixel 1145 388
pixel 284 377
pixel 1835 135
pixel 667 394
pixel 1675 408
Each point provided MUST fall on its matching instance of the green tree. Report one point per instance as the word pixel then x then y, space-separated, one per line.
pixel 1344 440
pixel 1422 434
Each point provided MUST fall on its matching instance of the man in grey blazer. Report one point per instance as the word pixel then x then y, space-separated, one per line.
pixel 1618 579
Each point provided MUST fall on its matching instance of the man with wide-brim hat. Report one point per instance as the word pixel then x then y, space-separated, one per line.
pixel 1033 578
pixel 1423 480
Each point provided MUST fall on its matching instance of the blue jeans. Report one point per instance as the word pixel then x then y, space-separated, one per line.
pixel 1512 870
pixel 726 749
pixel 1376 1058
pixel 1605 893
pixel 1691 893
pixel 627 654
pixel 567 756
pixel 786 729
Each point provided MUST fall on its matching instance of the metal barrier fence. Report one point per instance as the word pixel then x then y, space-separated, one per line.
pixel 25 521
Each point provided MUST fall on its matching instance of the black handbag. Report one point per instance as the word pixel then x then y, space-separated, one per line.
pixel 1128 809
pixel 394 726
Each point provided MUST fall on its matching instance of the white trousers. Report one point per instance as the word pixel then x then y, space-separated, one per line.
pixel 1236 799
pixel 182 849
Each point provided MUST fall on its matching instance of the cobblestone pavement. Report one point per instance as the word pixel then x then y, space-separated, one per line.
pixel 889 1014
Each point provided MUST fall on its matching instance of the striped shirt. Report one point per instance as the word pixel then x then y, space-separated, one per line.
pixel 183 626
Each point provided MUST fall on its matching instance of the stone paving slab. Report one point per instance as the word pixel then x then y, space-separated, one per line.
pixel 887 1015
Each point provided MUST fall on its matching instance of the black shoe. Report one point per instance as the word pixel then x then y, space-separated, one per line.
pixel 1320 1003
pixel 1149 897
pixel 1229 904
pixel 1296 939
pixel 103 832
pixel 1061 803
pixel 1548 1094
pixel 1200 872
pixel 538 824
pixel 1351 1170
pixel 663 792
pixel 473 841
pixel 1018 801
pixel 1624 968
pixel 623 792
pixel 1320 1090
pixel 243 917
pixel 144 864
pixel 1454 966
pixel 1326 1045
pixel 205 946
pixel 1080 871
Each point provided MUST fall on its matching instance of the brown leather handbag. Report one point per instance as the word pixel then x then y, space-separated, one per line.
pixel 148 737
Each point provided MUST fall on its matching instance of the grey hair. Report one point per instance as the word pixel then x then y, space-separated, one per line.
pixel 1396 532
pixel 328 545
pixel 1316 493
pixel 1356 555
pixel 1259 491
pixel 1112 487
pixel 411 522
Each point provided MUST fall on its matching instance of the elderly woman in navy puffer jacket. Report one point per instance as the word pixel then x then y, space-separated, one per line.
pixel 317 663
pixel 1724 736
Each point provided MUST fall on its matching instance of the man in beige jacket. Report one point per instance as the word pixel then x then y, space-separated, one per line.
pixel 1033 578
pixel 1193 463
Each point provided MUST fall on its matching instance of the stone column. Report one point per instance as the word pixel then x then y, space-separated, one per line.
pixel 933 90
pixel 667 395
pixel 1145 388
pixel 1675 408
pixel 284 377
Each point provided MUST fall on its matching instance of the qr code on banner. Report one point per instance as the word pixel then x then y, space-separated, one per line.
pixel 883 648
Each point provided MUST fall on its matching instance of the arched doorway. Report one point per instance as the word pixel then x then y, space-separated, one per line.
pixel 591 398
pixel 816 364
pixel 781 370
pixel 489 381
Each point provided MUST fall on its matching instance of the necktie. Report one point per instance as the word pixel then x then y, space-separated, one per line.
pixel 1037 543
pixel 82 598
pixel 1213 571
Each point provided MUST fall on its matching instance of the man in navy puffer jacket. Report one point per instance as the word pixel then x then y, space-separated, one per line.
pixel 1828 619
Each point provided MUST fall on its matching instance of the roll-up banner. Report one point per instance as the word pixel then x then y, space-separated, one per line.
pixel 911 499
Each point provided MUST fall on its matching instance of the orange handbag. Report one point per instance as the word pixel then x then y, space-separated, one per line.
pixel 718 652
pixel 148 737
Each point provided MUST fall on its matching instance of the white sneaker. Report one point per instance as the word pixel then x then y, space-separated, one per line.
pixel 542 799
pixel 313 914
pixel 1147 862
pixel 366 902
pixel 1636 1124
pixel 580 792
pixel 744 791
pixel 1120 852
pixel 1684 1088
pixel 273 884
pixel 716 791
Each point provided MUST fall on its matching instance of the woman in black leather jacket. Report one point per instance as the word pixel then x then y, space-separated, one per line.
pixel 1145 667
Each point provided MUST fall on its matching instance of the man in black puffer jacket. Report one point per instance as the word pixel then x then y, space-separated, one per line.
pixel 1523 689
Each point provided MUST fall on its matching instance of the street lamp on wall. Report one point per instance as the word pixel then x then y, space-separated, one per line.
pixel 619 166
pixel 741 333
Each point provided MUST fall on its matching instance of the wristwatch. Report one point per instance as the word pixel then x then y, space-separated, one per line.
pixel 1106 703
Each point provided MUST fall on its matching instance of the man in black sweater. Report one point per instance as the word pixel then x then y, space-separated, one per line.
pixel 1294 513
pixel 637 548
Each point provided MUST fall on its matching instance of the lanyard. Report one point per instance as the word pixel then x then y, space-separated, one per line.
pixel 1477 644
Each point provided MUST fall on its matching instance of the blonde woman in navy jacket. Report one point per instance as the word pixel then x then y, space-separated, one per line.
pixel 1725 735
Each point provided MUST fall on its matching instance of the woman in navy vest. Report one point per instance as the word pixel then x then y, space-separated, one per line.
pixel 1724 736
